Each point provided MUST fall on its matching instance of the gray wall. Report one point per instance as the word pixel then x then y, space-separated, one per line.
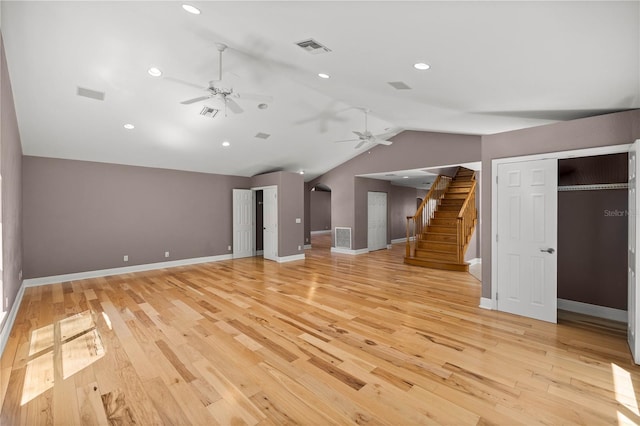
pixel 603 130
pixel 403 204
pixel 291 189
pixel 320 210
pixel 11 170
pixel 410 150
pixel 83 216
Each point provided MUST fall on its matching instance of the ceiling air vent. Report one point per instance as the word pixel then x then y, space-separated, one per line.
pixel 92 94
pixel 261 135
pixel 209 112
pixel 313 46
pixel 399 85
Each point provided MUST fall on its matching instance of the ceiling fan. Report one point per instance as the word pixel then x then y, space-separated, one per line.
pixel 368 137
pixel 225 94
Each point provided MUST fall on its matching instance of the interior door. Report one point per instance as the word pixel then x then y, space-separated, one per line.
pixel 242 223
pixel 377 220
pixel 270 225
pixel 633 257
pixel 527 239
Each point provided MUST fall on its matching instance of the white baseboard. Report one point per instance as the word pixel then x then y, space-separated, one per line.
pixel 593 310
pixel 291 258
pixel 325 231
pixel 32 282
pixel 8 324
pixel 401 240
pixel 307 246
pixel 389 246
pixel 486 303
pixel 474 261
pixel 259 252
pixel 349 251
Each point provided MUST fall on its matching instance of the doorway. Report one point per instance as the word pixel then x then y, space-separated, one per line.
pixel 255 222
pixel 377 220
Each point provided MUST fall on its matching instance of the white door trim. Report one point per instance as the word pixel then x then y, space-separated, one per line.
pixel 587 152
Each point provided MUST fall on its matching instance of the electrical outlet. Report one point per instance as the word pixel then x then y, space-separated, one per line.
pixel 20 274
pixel 299 248
pixel 125 258
pixel 166 254
pixel 229 248
pixel 298 220
pixel 306 240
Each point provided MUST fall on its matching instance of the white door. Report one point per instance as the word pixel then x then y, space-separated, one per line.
pixel 270 223
pixel 527 239
pixel 242 223
pixel 377 212
pixel 632 295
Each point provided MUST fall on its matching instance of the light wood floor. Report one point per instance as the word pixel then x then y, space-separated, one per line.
pixel 334 339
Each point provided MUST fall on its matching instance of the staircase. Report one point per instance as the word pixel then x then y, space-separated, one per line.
pixel 439 233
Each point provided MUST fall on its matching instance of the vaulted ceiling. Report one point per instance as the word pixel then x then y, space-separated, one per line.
pixel 494 67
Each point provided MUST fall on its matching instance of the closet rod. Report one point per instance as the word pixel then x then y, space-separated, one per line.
pixel 595 187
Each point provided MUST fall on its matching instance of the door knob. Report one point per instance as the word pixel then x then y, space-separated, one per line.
pixel 549 250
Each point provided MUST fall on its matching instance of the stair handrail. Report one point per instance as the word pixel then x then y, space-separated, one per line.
pixel 425 213
pixel 466 220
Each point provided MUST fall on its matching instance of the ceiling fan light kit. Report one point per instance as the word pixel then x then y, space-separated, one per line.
pixel 225 94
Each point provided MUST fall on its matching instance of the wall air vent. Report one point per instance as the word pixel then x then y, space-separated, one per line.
pixel 399 85
pixel 261 135
pixel 313 46
pixel 92 94
pixel 343 238
pixel 209 112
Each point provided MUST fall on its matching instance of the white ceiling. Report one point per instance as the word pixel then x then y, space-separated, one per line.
pixel 495 66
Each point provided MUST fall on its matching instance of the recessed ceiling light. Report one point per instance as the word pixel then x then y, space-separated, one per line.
pixel 323 75
pixel 421 66
pixel 129 126
pixel 154 72
pixel 301 172
pixel 226 144
pixel 405 177
pixel 191 9
pixel 263 106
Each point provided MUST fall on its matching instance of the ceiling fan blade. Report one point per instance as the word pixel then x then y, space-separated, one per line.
pixel 254 97
pixel 194 100
pixel 362 142
pixel 347 140
pixel 360 134
pixel 233 106
pixel 382 142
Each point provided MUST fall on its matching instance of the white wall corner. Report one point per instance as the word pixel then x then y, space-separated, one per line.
pixel 486 303
pixel 474 261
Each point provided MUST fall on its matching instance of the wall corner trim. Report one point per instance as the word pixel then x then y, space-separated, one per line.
pixel 34 282
pixel 486 303
pixel 348 251
pixel 291 258
pixel 8 323
pixel 593 310
pixel 474 261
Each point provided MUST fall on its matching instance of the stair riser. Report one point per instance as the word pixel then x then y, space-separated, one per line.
pixel 453 221
pixel 446 257
pixel 437 265
pixel 458 190
pixel 450 208
pixel 455 196
pixel 442 229
pixel 445 238
pixel 438 246
pixel 444 214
